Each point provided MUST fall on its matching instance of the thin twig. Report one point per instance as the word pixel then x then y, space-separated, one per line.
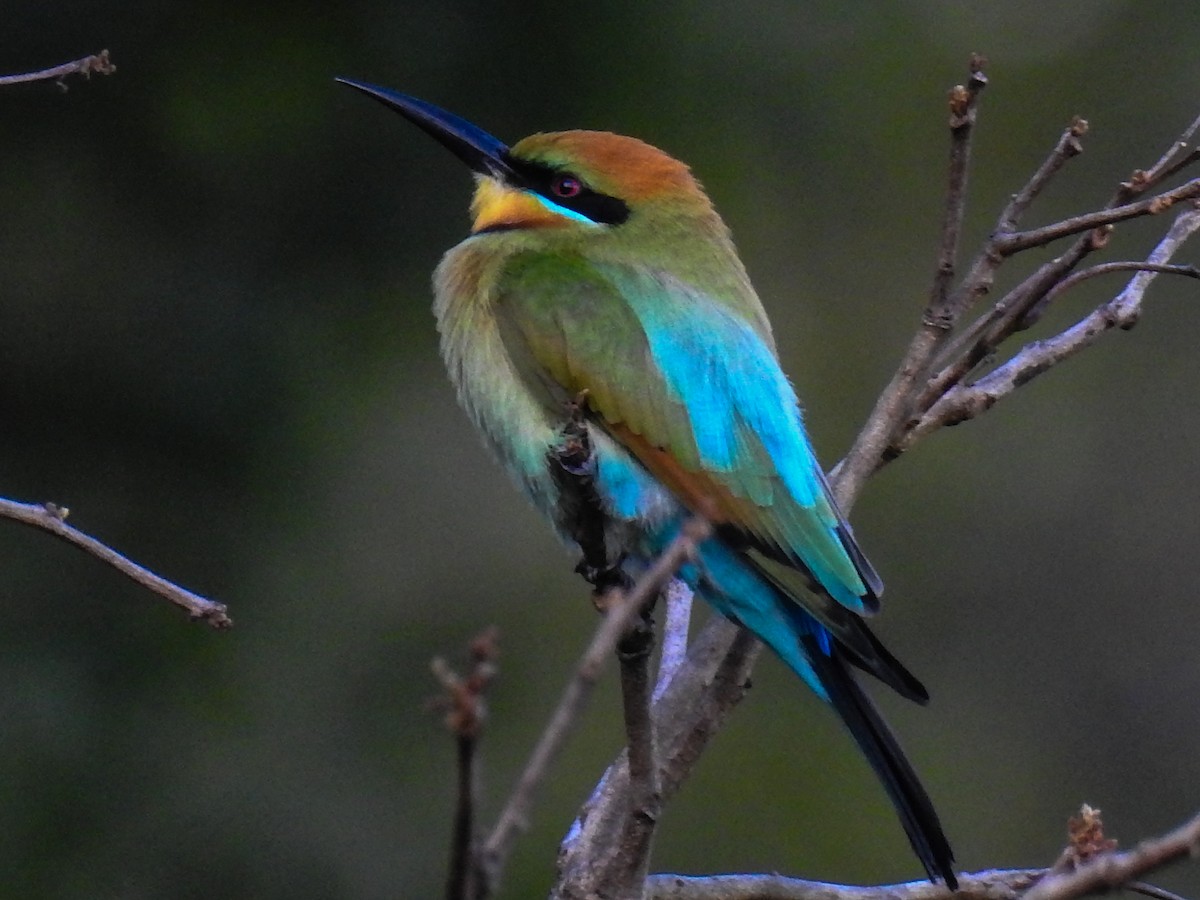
pixel 962 353
pixel 460 876
pixel 1152 891
pixel 1031 318
pixel 1037 237
pixel 1068 147
pixel 464 702
pixel 514 818
pixel 975 343
pixel 941 314
pixel 963 100
pixel 98 63
pixel 52 518
pixel 1176 157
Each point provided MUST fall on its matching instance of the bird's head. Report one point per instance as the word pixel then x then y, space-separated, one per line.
pixel 580 182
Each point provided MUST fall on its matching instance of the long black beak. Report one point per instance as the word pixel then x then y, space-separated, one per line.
pixel 474 146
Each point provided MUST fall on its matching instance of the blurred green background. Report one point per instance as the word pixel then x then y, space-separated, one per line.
pixel 216 348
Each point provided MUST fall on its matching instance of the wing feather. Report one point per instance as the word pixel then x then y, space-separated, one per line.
pixel 698 397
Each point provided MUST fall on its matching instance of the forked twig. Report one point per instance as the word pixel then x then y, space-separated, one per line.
pixel 941 313
pixel 967 401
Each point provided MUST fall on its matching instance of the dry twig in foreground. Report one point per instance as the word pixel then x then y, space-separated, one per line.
pixel 465 710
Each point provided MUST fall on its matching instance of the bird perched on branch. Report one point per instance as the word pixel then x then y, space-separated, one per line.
pixel 596 264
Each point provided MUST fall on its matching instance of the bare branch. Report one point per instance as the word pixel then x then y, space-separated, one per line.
pixel 1037 237
pixel 1150 890
pixel 514 818
pixel 1108 870
pixel 890 417
pixel 98 63
pixel 1176 157
pixel 1068 147
pixel 466 710
pixel 967 401
pixel 939 313
pixel 1023 305
pixel 645 801
pixel 52 518
pixel 1032 316
pixel 972 345
pixel 1016 311
pixel 892 407
pixel 676 623
pixel 690 711
pixel 1089 864
pixel 1005 884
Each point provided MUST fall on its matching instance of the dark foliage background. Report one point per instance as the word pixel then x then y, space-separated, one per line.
pixel 215 347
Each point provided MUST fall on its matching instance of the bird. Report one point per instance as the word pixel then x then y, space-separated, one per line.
pixel 597 267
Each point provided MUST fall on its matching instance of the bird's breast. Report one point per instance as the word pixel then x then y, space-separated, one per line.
pixel 517 405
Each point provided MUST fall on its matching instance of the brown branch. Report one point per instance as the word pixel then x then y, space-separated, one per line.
pixel 1175 158
pixel 98 63
pixel 601 823
pixel 585 857
pixel 1033 315
pixel 1068 147
pixel 689 712
pixel 1038 237
pixel 972 345
pixel 645 800
pixel 1025 303
pixel 941 314
pixel 52 518
pixel 624 607
pixel 1019 310
pixel 466 710
pixel 1123 311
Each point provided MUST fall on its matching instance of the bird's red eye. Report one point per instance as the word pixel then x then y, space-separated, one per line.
pixel 566 186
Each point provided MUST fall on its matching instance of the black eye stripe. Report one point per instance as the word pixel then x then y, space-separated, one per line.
pixel 550 182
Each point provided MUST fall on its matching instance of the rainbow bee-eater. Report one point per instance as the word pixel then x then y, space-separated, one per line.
pixel 597 267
